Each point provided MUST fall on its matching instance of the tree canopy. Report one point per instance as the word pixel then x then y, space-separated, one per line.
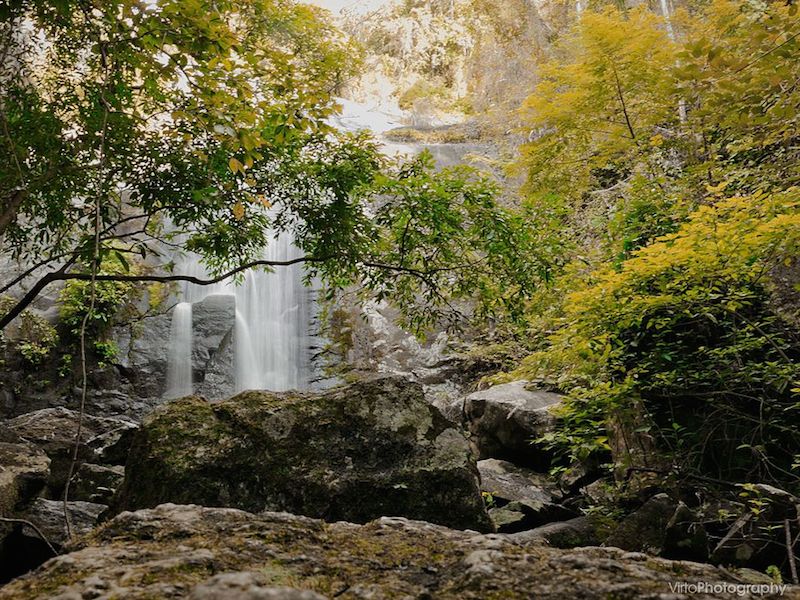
pixel 131 127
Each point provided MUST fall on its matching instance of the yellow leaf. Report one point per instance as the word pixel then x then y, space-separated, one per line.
pixel 238 211
pixel 235 165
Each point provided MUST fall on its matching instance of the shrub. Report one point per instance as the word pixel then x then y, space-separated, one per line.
pixel 685 330
pixel 36 338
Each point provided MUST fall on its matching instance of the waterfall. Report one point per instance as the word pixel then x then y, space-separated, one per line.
pixel 179 367
pixel 271 336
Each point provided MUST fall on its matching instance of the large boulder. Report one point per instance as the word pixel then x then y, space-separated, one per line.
pixel 144 350
pixel 504 420
pixel 24 470
pixel 103 439
pixel 221 553
pixel 356 453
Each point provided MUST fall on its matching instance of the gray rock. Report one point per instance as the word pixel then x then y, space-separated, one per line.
pixel 219 377
pixel 176 551
pixel 527 514
pixel 54 431
pixel 247 585
pixel 509 482
pixel 213 321
pixel 573 533
pixel 96 483
pixel 48 516
pixel 508 520
pixel 504 419
pixel 365 450
pixel 144 347
pixel 24 470
pixel 143 350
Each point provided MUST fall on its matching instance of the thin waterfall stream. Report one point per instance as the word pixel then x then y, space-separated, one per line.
pixel 271 337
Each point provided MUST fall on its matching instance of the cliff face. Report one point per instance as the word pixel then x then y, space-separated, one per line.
pixel 446 58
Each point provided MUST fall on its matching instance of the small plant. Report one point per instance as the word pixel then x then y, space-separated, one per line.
pixel 775 572
pixel 36 338
pixel 106 350
pixel 488 499
pixel 756 501
pixel 65 368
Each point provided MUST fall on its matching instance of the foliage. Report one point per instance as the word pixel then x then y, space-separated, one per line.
pixel 666 172
pixel 76 297
pixel 448 226
pixel 594 110
pixel 36 338
pixel 685 325
pixel 204 125
pixel 129 90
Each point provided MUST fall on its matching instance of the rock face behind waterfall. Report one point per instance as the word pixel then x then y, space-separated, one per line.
pixel 226 554
pixel 363 451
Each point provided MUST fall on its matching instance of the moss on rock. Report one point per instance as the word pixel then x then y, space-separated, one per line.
pixel 356 453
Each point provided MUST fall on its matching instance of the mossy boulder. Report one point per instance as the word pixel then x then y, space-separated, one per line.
pixel 213 553
pixel 356 453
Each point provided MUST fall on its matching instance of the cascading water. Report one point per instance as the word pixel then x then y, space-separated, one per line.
pixel 179 367
pixel 271 332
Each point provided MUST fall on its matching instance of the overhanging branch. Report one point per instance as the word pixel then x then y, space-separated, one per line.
pixel 63 275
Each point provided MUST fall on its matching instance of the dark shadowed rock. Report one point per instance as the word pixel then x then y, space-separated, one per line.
pixel 573 533
pixel 203 553
pixel 369 449
pixel 503 421
pixel 96 483
pixel 645 529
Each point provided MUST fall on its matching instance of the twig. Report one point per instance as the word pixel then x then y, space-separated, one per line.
pixel 790 550
pixel 35 528
pixel 740 522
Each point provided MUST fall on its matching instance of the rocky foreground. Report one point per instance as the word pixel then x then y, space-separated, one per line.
pixel 187 551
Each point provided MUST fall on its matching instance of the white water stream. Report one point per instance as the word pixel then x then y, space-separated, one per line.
pixel 271 330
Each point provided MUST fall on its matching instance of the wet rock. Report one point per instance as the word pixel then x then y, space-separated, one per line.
pixel 24 470
pixel 54 431
pixel 504 419
pixel 143 353
pixel 96 483
pixel 645 529
pixel 186 551
pixel 365 450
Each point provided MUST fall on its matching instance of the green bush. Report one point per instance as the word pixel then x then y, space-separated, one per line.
pixel 36 338
pixel 110 296
pixel 684 330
